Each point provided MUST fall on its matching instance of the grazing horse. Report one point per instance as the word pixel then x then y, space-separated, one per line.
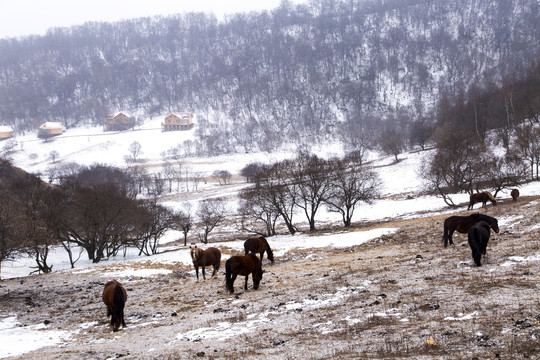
pixel 462 224
pixel 200 257
pixel 483 198
pixel 115 296
pixel 478 239
pixel 258 245
pixel 514 194
pixel 243 265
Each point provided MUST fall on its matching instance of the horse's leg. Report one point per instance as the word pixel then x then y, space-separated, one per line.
pixel 450 241
pixel 233 277
pixel 262 255
pixel 245 285
pixel 197 272
pixel 203 274
pixel 214 271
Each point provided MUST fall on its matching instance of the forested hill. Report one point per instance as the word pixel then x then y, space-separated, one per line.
pixel 329 67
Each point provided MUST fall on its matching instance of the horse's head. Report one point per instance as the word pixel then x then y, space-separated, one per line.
pixel 195 252
pixel 495 225
pixel 257 277
pixel 491 198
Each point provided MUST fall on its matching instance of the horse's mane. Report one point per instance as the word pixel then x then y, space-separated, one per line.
pixel 484 217
pixel 195 252
pixel 491 197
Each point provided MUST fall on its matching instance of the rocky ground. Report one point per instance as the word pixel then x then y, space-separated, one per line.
pixel 399 296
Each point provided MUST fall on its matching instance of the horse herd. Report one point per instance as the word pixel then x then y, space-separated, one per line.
pixel 476 226
pixel 114 295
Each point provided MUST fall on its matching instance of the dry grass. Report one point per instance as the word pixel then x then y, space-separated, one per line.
pixel 380 300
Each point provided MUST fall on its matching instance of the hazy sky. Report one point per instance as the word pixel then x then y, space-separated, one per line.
pixel 25 17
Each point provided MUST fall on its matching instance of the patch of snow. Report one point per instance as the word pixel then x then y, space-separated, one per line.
pixel 462 317
pixel 16 340
pixel 512 260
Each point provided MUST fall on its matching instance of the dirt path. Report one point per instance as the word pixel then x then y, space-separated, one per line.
pixel 384 299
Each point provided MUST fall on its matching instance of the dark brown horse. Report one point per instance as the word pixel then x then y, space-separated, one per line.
pixel 482 197
pixel 258 245
pixel 462 224
pixel 243 265
pixel 202 258
pixel 514 194
pixel 115 296
pixel 478 239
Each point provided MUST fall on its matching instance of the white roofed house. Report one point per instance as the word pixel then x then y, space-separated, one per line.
pixel 49 129
pixel 6 132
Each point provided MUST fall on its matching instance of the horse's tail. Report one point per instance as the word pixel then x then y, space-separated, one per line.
pixel 445 234
pixel 246 247
pixel 118 312
pixel 476 247
pixel 269 252
pixel 228 276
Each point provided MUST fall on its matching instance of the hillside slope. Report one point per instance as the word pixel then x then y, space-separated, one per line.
pixel 383 299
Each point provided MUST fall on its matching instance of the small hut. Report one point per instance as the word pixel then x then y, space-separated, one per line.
pixel 5 132
pixel 177 121
pixel 49 129
pixel 119 122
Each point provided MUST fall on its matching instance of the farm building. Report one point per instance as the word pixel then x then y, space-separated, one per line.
pixel 6 132
pixel 49 129
pixel 177 121
pixel 119 121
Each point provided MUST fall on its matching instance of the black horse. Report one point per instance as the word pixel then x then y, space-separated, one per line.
pixel 243 265
pixel 462 224
pixel 478 239
pixel 258 245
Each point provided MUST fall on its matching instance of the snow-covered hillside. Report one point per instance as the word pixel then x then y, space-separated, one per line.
pixel 401 186
pixel 401 190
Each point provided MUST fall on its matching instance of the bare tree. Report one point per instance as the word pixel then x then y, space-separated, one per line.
pixel 135 151
pixel 250 170
pixel 392 142
pixel 256 213
pixel 185 221
pixel 527 146
pixel 459 164
pixel 276 192
pixel 211 213
pixel 10 218
pixel 53 155
pixel 311 174
pixel 505 172
pixel 152 222
pixel 169 174
pixel 222 176
pixel 349 186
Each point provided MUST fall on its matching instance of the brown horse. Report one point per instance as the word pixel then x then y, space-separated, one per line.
pixel 514 194
pixel 483 198
pixel 115 296
pixel 259 245
pixel 243 265
pixel 462 224
pixel 200 257
pixel 478 239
